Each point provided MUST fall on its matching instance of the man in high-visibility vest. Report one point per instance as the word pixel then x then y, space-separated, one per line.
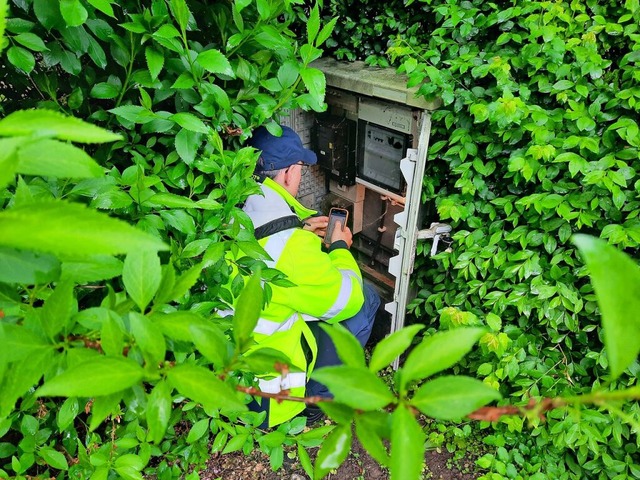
pixel 328 284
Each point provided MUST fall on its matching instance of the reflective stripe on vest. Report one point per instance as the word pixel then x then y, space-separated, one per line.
pixel 275 244
pixel 269 327
pixel 343 295
pixel 278 384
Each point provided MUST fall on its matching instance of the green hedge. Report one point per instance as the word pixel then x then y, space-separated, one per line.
pixel 183 84
pixel 538 139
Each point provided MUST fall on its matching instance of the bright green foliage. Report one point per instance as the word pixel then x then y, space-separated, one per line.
pixel 114 255
pixel 359 395
pixel 537 139
pixel 616 280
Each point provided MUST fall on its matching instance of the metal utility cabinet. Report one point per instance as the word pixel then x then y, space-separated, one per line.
pixel 372 147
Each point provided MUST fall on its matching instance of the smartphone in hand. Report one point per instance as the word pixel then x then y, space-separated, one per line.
pixel 335 214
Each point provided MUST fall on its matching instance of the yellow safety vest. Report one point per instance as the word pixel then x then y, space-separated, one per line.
pixel 328 287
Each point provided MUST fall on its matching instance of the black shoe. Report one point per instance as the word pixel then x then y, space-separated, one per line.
pixel 313 414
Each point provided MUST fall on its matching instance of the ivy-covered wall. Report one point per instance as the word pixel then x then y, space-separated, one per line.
pixel 538 139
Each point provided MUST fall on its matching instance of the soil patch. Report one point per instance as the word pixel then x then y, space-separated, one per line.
pixel 358 466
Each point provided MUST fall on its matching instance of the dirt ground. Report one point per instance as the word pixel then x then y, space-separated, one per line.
pixel 358 466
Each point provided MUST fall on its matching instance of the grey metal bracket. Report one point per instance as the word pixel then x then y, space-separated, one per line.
pixel 436 231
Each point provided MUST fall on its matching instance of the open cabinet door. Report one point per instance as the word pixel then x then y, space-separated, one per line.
pixel 401 266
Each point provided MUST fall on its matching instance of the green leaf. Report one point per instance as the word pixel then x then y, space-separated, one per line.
pixel 73 12
pixel 187 144
pixel 48 13
pixel 179 220
pixel 28 268
pixel 264 360
pixel 171 200
pixel 214 61
pixel 452 397
pixel 22 376
pixel 392 346
pixel 370 429
pixel 334 450
pixel 92 269
pixel 102 407
pixel 31 41
pixel 158 411
pixel 21 58
pixel 22 342
pixel 264 9
pixel 67 413
pixel 181 13
pixel 236 443
pixel 210 342
pixel 198 430
pixel 112 335
pixel 407 445
pixel 168 281
pixel 185 281
pixel 58 308
pixel 9 159
pixel 616 281
pixel 242 4
pixel 53 458
pixel 190 122
pixel 247 311
pixel 134 27
pixel 71 229
pixel 133 113
pixel 195 248
pixel 220 441
pixel 347 346
pixel 439 352
pixel 93 378
pixel 129 466
pixel 313 24
pixel 104 6
pixel 305 460
pixel 314 80
pixel 4 8
pixel 177 325
pixel 155 61
pixel 104 91
pixel 356 387
pixel 338 412
pixel 326 31
pixel 288 74
pixel 148 338
pixel 561 85
pixel 51 158
pixel 54 124
pixel 184 81
pixel 98 56
pixel 202 386
pixel 141 275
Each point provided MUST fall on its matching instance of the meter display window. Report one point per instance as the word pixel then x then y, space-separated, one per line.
pixel 381 150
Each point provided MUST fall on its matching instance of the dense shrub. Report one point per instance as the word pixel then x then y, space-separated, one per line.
pixel 538 139
pixel 123 337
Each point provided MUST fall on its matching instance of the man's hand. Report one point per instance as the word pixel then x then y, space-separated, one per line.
pixel 340 234
pixel 317 225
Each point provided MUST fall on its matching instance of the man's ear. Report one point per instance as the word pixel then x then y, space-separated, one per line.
pixel 287 176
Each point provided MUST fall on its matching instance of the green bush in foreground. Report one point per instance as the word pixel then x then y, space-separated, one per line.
pixel 120 320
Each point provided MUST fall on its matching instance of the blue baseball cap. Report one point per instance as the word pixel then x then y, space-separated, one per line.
pixel 280 152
